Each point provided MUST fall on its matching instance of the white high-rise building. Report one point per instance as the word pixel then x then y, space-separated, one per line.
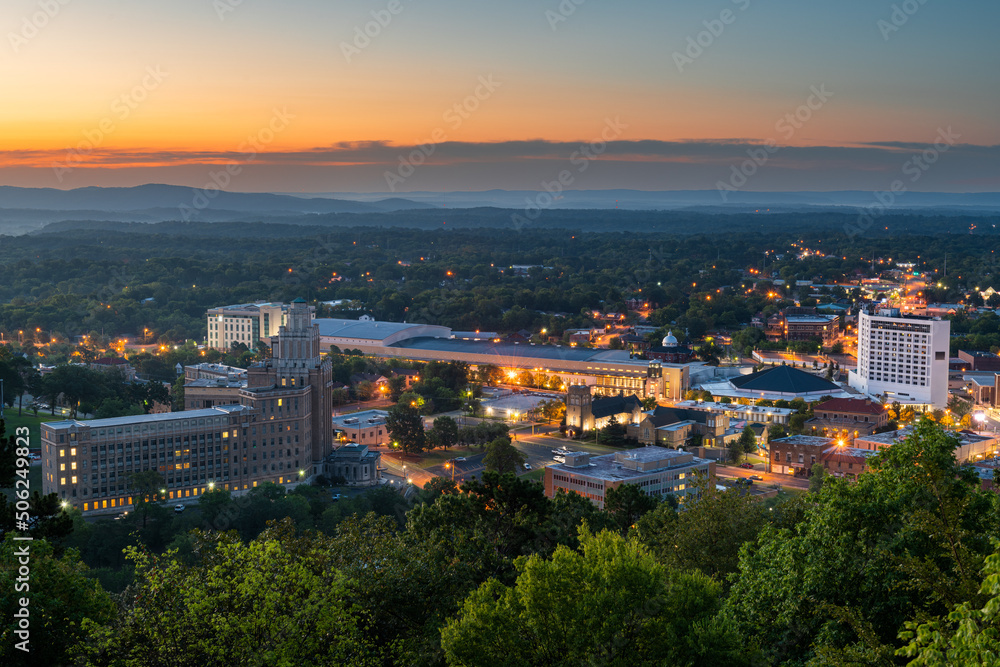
pixel 903 358
pixel 247 323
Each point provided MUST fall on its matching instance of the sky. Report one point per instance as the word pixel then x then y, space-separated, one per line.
pixel 440 95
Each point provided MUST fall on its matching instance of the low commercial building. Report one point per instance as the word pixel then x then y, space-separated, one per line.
pixel 796 455
pixel 847 418
pixel 972 445
pixel 847 462
pixel 365 428
pixel 980 361
pixel 657 471
pixel 354 465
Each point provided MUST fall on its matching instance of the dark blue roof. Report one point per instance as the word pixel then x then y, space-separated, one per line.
pixel 784 379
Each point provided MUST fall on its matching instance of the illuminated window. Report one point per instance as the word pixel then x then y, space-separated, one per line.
pixel 73 465
pixel 62 452
pixel 72 451
pixel 62 467
pixel 74 479
pixel 279 402
pixel 62 480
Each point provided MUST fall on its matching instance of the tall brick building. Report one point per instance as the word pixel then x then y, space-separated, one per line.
pixel 280 431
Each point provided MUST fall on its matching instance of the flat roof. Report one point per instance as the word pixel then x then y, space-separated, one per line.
pixel 362 417
pixel 371 330
pixel 812 440
pixel 217 411
pixel 606 467
pixel 524 350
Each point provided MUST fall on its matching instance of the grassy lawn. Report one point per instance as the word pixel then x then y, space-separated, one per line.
pixel 535 475
pixel 436 457
pixel 12 421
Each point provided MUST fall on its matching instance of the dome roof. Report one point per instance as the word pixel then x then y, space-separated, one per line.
pixel 669 340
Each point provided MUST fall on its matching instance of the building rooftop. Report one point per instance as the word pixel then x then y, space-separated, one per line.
pixel 807 440
pixel 733 407
pixel 361 418
pixel 217 411
pixel 810 319
pixel 786 380
pixel 853 405
pixel 606 406
pixel 218 382
pixel 365 329
pixel 505 352
pixel 965 437
pixel 649 460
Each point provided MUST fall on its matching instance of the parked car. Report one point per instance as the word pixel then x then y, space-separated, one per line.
pixel 178 508
pixel 757 477
pixel 335 497
pixel 460 459
pixel 748 466
pixel 559 459
pixel 527 466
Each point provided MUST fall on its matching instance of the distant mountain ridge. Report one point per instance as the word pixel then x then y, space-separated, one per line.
pixel 679 199
pixel 143 198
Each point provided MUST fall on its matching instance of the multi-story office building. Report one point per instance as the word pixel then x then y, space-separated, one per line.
pixel 246 323
pixel 902 358
pixel 802 324
pixel 280 431
pixel 657 471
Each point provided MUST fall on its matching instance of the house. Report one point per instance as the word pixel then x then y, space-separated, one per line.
pixel 410 376
pixel 380 381
pixel 107 364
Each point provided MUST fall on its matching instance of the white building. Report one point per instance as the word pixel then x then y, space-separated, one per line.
pixel 246 323
pixel 904 358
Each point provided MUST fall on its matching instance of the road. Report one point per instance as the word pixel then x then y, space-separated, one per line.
pixel 732 472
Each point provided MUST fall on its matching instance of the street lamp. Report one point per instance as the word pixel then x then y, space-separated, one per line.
pixel 211 486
